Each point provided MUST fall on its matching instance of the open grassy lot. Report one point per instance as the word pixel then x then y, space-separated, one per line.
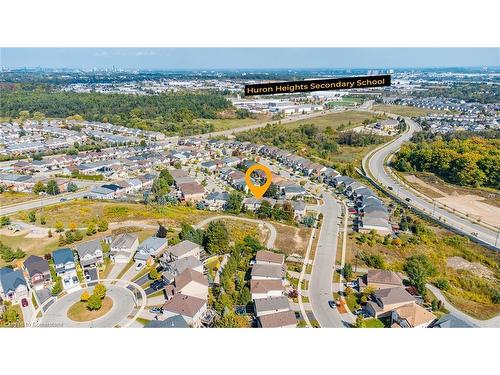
pixel 232 123
pixel 83 211
pixel 79 312
pixel 238 230
pixel 291 239
pixel 404 110
pixel 12 197
pixel 349 119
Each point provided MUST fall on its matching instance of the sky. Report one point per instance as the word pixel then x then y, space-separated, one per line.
pixel 247 58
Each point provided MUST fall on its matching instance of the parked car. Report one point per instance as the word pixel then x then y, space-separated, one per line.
pixel 390 187
pixel 24 302
pixel 75 280
pixel 139 266
pixel 87 276
pixel 156 310
pixel 408 199
pixel 63 199
pixel 332 304
pixel 158 284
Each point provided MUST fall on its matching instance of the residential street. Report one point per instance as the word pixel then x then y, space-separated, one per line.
pixel 320 285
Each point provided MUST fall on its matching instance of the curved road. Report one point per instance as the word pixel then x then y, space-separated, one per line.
pixel 272 229
pixel 374 164
pixel 124 302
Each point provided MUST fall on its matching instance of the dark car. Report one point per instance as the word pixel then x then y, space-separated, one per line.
pixel 332 304
pixel 158 284
pixel 390 187
pixel 24 302
pixel 156 310
pixel 408 199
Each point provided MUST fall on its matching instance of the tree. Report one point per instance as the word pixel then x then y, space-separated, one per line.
pixel 102 226
pixel 360 322
pixel 347 271
pixel 216 239
pixel 160 188
pixel 72 187
pixel 418 268
pixel 49 233
pixel 162 232
pixel 442 284
pixel 69 237
pixel 59 227
pixel 10 315
pixel 272 191
pixel 100 290
pixel 32 216
pixel 91 229
pixel 189 233
pixel 78 235
pixel 231 320
pixel 154 274
pixel 234 202
pixel 4 220
pixel 72 226
pixel 165 174
pixel 265 210
pixel 39 187
pixel 62 241
pixel 245 296
pixel 43 221
pixel 84 296
pixel 94 302
pixel 52 188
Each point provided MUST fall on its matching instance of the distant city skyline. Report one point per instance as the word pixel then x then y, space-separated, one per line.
pixel 247 58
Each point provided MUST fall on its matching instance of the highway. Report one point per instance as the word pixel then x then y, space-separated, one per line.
pixel 374 164
pixel 41 202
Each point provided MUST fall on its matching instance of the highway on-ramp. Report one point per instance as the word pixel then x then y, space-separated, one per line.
pixel 374 165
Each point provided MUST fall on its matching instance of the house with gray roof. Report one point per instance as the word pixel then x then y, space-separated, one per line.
pixel 181 250
pixel 268 271
pixel 451 321
pixel 176 321
pixel 150 248
pixel 38 271
pixel 123 247
pixel 90 253
pixel 271 305
pixel 13 286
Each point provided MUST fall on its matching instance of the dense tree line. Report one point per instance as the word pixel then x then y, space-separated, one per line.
pixel 308 139
pixel 168 112
pixel 468 162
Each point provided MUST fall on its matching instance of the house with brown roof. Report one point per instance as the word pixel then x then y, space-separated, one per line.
pixel 189 307
pixel 191 191
pixel 266 288
pixel 385 300
pixel 269 257
pixel 284 319
pixel 192 283
pixel 381 279
pixel 411 316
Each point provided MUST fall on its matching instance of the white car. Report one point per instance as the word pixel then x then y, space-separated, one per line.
pixel 139 266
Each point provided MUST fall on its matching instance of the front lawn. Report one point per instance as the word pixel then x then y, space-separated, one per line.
pixel 374 323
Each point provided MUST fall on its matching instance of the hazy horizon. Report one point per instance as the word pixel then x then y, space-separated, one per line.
pixel 247 58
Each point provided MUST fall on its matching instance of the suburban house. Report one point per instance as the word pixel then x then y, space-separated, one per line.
pixel 176 267
pixel 271 305
pixel 191 191
pixel 176 321
pixel 189 307
pixel 13 286
pixel 183 249
pixel 123 247
pixel 149 249
pixel 411 316
pixel 269 257
pixel 266 288
pixel 64 262
pixel 216 201
pixel 90 253
pixel 386 300
pixel 451 321
pixel 192 283
pixel 284 319
pixel 38 271
pixel 381 279
pixel 268 271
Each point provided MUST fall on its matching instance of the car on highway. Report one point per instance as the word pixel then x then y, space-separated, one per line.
pixel 63 199
pixel 332 304
pixel 408 199
pixel 475 234
pixel 24 302
pixel 139 266
pixel 158 284
pixel 390 188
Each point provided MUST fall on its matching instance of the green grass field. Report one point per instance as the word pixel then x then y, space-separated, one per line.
pixel 12 197
pixel 225 124
pixel 350 119
pixel 403 110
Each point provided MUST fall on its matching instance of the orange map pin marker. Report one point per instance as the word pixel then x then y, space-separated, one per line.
pixel 258 190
